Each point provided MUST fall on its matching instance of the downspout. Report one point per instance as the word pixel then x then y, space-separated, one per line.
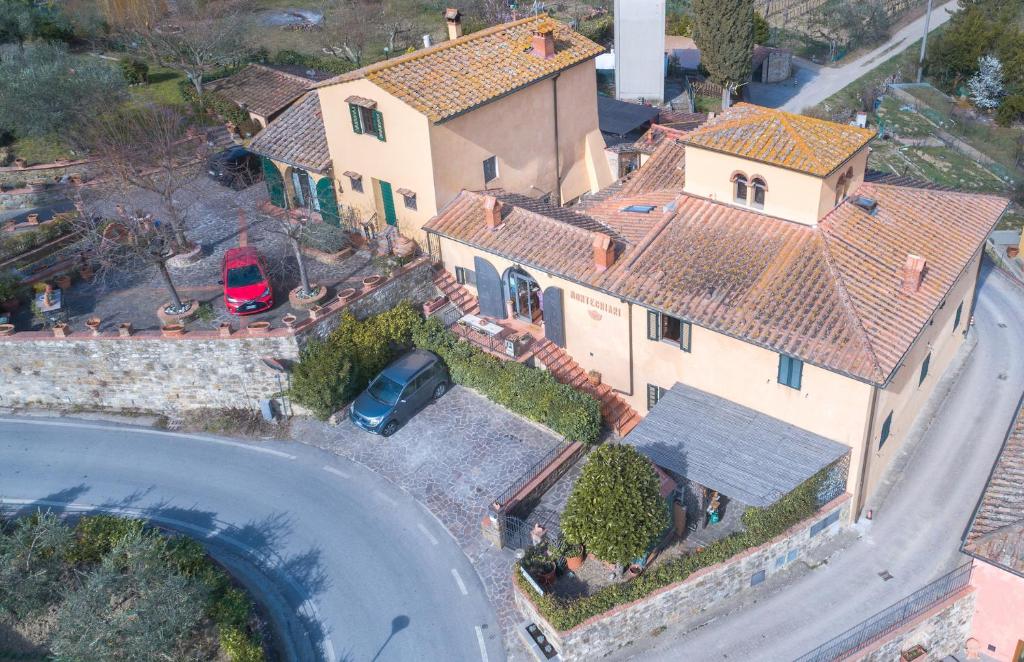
pixel 558 163
pixel 862 487
pixel 629 317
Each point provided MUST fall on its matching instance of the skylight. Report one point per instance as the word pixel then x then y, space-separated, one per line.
pixel 639 209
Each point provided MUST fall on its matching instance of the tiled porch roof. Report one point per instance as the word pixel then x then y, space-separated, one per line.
pixel 297 137
pixel 262 89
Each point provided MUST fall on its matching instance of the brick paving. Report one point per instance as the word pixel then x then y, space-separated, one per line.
pixel 453 457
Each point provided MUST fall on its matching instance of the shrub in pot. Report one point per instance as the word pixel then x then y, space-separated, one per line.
pixel 11 290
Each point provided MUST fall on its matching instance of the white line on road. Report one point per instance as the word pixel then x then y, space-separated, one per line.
pixel 480 640
pixel 336 472
pixel 428 534
pixel 458 580
pixel 162 433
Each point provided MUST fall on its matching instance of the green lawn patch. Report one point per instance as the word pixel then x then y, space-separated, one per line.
pixel 896 120
pixel 164 87
pixel 705 104
pixel 938 165
pixel 42 149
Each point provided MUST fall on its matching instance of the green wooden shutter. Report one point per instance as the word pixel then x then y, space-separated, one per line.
pixel 796 373
pixel 924 368
pixel 353 110
pixel 653 325
pixel 328 201
pixel 783 376
pixel 956 320
pixel 378 125
pixel 685 330
pixel 275 182
pixel 886 428
pixel 388 200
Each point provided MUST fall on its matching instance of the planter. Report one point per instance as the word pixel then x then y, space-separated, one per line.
pixel 172 330
pixel 1012 251
pixel 186 257
pixel 316 312
pixel 10 225
pixel 32 219
pixel 404 247
pixel 260 328
pixel 594 377
pixel 290 320
pixel 916 653
pixel 124 329
pixel 634 571
pixel 85 272
pixel 11 305
pixel 347 295
pixel 574 563
pixel 546 574
pixel 63 281
pixel 6 329
pixel 434 305
pixel 225 330
pixel 171 317
pixel 305 303
pixel 61 330
pixel 327 258
pixel 37 186
pixel 372 281
pixel 20 163
pixel 94 324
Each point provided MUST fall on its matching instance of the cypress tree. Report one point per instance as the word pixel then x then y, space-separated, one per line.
pixel 724 33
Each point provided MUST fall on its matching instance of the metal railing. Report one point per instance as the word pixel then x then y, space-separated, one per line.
pixel 506 495
pixel 891 618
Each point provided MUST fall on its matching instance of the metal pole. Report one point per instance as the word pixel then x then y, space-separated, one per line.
pixel 924 42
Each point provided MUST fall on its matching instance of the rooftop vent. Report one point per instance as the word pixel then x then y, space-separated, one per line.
pixel 870 205
pixel 913 274
pixel 639 209
pixel 604 251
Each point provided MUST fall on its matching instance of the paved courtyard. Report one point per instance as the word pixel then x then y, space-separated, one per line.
pixel 454 457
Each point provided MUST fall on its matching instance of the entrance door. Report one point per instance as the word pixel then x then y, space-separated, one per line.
pixel 526 297
pixel 275 183
pixel 387 200
pixel 303 191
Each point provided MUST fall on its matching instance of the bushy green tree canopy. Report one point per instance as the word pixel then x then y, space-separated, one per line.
pixel 724 32
pixel 615 509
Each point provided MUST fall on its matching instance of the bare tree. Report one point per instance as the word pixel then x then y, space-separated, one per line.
pixel 150 149
pixel 205 36
pixel 349 25
pixel 304 230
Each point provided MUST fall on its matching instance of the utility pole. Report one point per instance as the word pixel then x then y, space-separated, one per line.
pixel 924 42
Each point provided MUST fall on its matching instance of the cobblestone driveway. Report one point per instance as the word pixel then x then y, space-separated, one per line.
pixel 454 457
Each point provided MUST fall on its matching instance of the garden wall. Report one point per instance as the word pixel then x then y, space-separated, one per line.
pixel 605 633
pixel 942 630
pixel 146 371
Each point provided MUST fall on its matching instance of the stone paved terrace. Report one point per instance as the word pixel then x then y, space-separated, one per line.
pixel 453 457
pixel 213 221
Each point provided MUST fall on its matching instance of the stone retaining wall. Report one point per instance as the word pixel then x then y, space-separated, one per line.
pixel 942 630
pixel 606 633
pixel 148 372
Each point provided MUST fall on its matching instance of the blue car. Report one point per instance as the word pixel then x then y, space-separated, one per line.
pixel 399 391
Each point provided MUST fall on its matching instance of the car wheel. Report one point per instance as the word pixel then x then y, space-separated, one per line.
pixel 389 429
pixel 440 390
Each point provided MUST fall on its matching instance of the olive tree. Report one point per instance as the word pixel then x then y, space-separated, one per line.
pixel 31 564
pixel 615 508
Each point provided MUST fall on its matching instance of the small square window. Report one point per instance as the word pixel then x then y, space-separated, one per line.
pixel 410 201
pixel 758 577
pixel 356 183
pixel 490 169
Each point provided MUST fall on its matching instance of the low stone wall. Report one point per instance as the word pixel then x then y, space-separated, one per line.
pixel 606 633
pixel 46 171
pixel 942 630
pixel 147 371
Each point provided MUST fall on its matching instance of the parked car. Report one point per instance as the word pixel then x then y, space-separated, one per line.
pixel 399 391
pixel 236 167
pixel 247 289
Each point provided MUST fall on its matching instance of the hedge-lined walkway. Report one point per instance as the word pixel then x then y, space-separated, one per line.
pixel 453 457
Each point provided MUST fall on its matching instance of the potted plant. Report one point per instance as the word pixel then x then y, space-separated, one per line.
pixel 574 555
pixel 63 281
pixel 10 292
pixel 917 652
pixel 94 325
pixel 539 564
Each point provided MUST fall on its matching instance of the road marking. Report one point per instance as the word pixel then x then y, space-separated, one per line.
pixel 428 534
pixel 161 433
pixel 458 580
pixel 336 472
pixel 480 640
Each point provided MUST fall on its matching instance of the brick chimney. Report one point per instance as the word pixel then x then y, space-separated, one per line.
pixel 492 212
pixel 544 40
pixel 604 251
pixel 454 19
pixel 913 274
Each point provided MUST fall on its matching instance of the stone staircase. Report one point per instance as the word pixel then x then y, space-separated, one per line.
pixel 615 411
pixel 457 294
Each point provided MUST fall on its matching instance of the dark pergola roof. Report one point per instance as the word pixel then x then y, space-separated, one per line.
pixel 739 452
pixel 620 117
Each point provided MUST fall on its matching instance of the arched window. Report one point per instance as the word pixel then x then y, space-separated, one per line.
pixel 759 187
pixel 739 181
pixel 843 186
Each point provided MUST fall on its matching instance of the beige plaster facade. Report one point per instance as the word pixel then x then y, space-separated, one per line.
pixel 789 194
pixel 437 161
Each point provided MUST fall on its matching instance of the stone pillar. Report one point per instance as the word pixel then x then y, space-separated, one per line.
pixel 493 528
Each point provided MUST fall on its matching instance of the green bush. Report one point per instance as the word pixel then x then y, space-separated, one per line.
pixel 212 102
pixel 231 609
pixel 763 524
pixel 329 65
pixel 599 30
pixel 98 534
pixel 10 286
pixel 134 70
pixel 527 391
pixel 615 509
pixel 239 646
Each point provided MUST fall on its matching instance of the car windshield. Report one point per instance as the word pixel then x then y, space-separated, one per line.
pixel 242 276
pixel 385 389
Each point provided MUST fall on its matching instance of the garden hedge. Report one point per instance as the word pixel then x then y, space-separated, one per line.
pixel 762 525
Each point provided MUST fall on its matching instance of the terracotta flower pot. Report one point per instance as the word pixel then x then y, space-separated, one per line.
pixel 434 304
pixel 315 312
pixel 347 295
pixel 260 328
pixel 574 563
pixel 172 330
pixel 94 324
pixel 124 329
pixel 290 320
pixel 1012 251
pixel 225 330
pixel 10 225
pixel 6 329
pixel 372 281
pixel 61 330
pixel 32 219
pixel 20 163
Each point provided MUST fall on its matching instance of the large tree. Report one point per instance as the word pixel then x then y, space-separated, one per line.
pixel 32 564
pixel 615 509
pixel 724 32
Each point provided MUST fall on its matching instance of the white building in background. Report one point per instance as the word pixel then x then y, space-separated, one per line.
pixel 640 50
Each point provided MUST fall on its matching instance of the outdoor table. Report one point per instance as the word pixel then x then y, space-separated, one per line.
pixel 53 311
pixel 482 326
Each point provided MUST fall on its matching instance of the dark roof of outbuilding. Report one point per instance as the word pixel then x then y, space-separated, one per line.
pixel 621 117
pixel 261 89
pixel 740 452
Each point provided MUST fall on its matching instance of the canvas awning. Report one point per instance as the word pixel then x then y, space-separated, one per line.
pixel 739 452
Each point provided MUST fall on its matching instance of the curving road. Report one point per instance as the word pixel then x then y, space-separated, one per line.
pixel 916 530
pixel 347 566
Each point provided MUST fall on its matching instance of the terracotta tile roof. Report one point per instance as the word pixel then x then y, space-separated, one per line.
pixel 297 137
pixel 455 76
pixel 829 295
pixel 261 89
pixel 655 136
pixel 779 138
pixel 996 533
pixel 681 119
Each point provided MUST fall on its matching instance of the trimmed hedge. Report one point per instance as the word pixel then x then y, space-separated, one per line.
pixel 762 524
pixel 527 391
pixel 328 65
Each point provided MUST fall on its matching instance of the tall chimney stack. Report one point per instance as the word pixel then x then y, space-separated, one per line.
pixel 604 251
pixel 454 18
pixel 913 274
pixel 544 40
pixel 492 212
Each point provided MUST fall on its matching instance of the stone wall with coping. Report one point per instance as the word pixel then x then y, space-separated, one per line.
pixel 942 630
pixel 605 633
pixel 151 372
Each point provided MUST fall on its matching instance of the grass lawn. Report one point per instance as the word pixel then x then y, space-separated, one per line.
pixel 908 123
pixel 939 165
pixel 42 149
pixel 162 87
pixel 703 104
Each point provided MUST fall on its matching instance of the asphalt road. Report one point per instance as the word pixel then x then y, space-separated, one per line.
pixel 917 529
pixel 349 565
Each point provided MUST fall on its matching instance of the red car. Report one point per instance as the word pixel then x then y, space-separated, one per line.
pixel 246 286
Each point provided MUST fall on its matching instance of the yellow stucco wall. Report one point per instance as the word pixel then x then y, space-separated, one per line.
pixel 789 194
